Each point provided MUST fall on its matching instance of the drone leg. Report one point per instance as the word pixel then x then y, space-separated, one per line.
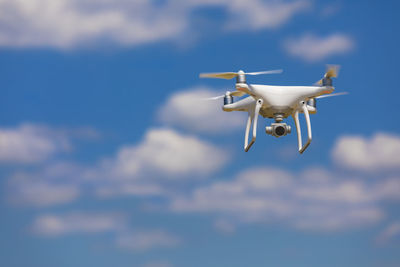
pixel 298 128
pixel 307 116
pixel 297 123
pixel 246 137
pixel 253 117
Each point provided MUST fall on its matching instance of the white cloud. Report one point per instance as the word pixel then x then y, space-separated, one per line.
pixel 391 232
pixel 189 109
pixel 77 222
pixel 310 47
pixel 314 200
pixel 55 184
pixel 379 152
pixel 44 194
pixel 255 14
pixel 56 225
pixel 140 170
pixel 145 240
pixel 68 23
pixel 30 143
pixel 167 152
pixel 121 188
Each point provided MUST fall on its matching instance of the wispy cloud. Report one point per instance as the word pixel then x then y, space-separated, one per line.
pixel 78 222
pixel 330 10
pixel 190 110
pixel 310 47
pixel 379 152
pixel 70 23
pixel 392 231
pixel 145 240
pixel 53 184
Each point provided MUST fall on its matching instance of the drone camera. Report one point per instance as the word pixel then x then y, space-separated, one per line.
pixel 278 129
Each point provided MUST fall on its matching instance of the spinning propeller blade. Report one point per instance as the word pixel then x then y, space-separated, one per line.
pixel 235 93
pixel 265 72
pixel 213 98
pixel 221 75
pixel 332 71
pixel 230 75
pixel 337 94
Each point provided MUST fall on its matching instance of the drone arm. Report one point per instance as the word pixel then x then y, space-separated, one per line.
pixel 253 117
pixel 298 128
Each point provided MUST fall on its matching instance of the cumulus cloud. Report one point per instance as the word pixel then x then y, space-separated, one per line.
pixel 314 200
pixel 30 143
pixel 380 152
pixel 145 240
pixel 69 23
pixel 170 153
pixel 77 222
pixel 310 47
pixel 189 110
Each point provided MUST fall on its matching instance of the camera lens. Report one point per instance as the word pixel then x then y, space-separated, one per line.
pixel 280 130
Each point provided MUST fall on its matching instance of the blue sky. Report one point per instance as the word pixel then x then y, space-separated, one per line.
pixel 108 157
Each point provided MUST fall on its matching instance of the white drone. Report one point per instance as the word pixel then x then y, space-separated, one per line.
pixel 277 102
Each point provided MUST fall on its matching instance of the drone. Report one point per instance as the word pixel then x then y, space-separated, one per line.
pixel 275 102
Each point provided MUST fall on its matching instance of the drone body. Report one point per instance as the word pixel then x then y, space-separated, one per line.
pixel 277 102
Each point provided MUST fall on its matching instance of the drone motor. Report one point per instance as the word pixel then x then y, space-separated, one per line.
pixel 228 99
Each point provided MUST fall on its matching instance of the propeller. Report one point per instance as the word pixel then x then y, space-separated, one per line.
pixel 332 71
pixel 337 94
pixel 235 93
pixel 230 75
pixel 214 98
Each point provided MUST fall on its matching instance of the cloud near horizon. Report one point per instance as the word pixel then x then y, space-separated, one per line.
pixel 315 200
pixel 79 222
pixel 312 199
